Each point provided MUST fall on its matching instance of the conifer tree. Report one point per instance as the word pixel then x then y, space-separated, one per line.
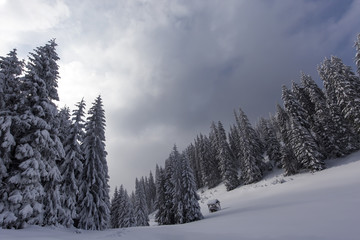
pixel 324 128
pixel 114 213
pixel 141 212
pixel 288 160
pixel 251 150
pixel 357 55
pixel 304 147
pixel 189 197
pixel 345 139
pixel 72 165
pixel 94 188
pixel 226 159
pixel 160 203
pixel 10 99
pixel 39 148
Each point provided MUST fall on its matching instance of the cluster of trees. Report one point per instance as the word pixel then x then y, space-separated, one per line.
pixel 313 125
pixel 133 210
pixel 53 168
pixel 173 195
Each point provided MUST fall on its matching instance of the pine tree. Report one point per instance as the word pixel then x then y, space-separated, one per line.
pixel 160 203
pixel 39 148
pixel 114 213
pixel 324 128
pixel 72 165
pixel 176 192
pixel 226 159
pixel 189 197
pixel 345 138
pixel 141 212
pixel 304 147
pixel 251 150
pixel 94 188
pixel 288 160
pixel 357 55
pixel 152 192
pixel 10 98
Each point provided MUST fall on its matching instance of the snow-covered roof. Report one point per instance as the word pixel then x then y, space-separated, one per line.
pixel 213 201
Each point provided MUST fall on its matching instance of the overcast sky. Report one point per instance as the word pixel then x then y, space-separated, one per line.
pixel 166 69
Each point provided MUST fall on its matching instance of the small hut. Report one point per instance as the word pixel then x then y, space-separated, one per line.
pixel 214 205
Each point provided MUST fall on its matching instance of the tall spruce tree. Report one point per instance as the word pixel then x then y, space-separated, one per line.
pixel 160 203
pixel 251 150
pixel 345 138
pixel 288 160
pixel 39 148
pixel 226 159
pixel 72 165
pixel 114 213
pixel 357 54
pixel 189 197
pixel 94 188
pixel 10 99
pixel 324 128
pixel 141 212
pixel 304 147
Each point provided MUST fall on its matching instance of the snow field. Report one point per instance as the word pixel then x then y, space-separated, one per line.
pixel 322 205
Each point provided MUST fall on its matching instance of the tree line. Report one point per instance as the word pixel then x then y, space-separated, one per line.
pixel 313 125
pixel 53 168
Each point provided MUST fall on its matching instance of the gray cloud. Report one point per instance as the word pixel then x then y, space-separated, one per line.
pixel 166 69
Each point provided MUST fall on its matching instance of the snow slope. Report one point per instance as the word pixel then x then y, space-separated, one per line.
pixel 322 205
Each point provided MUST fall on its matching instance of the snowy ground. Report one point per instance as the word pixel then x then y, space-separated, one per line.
pixel 323 205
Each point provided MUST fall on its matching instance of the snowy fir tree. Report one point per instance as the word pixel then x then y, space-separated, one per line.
pixel 252 158
pixel 114 213
pixel 357 54
pixel 304 147
pixel 72 165
pixel 189 197
pixel 10 71
pixel 94 188
pixel 288 160
pixel 345 139
pixel 160 216
pixel 324 128
pixel 227 161
pixel 141 212
pixel 39 148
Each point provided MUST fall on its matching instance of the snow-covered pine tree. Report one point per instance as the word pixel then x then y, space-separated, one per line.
pixel 126 216
pixel 141 212
pixel 288 160
pixel 345 138
pixel 160 203
pixel 324 128
pixel 346 87
pixel 114 214
pixel 304 147
pixel 357 54
pixel 177 191
pixel 252 158
pixel 270 142
pixel 190 151
pixel 39 148
pixel 10 99
pixel 226 159
pixel 94 188
pixel 189 197
pixel 234 143
pixel 72 165
pixel 120 208
pixel 152 192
